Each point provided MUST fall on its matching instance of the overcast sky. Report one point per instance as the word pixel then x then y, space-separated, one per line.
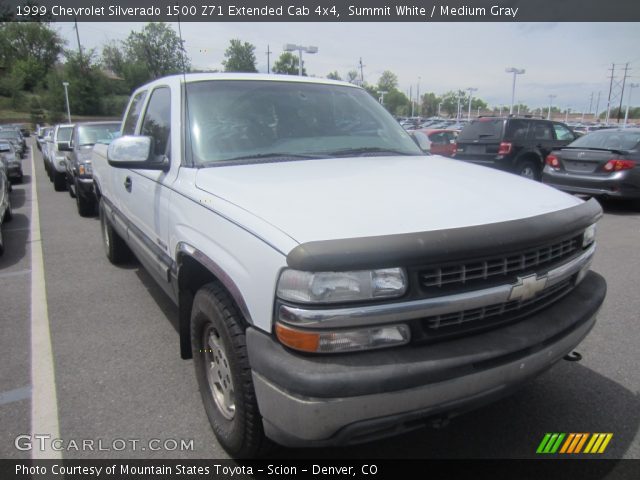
pixel 569 60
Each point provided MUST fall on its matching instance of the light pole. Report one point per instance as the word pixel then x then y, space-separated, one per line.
pixel 290 47
pixel 470 90
pixel 439 114
pixel 66 96
pixel 460 93
pixel 381 98
pixel 515 71
pixel 566 114
pixel 551 97
pixel 626 113
pixel 418 96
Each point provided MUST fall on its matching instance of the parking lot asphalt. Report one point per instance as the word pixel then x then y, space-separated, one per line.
pixel 118 374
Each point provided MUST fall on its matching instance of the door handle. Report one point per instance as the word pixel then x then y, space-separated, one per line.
pixel 128 184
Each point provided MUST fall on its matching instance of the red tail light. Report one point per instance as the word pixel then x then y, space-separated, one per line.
pixel 454 149
pixel 615 165
pixel 505 148
pixel 553 161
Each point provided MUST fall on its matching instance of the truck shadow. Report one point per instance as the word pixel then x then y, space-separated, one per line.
pixel 569 398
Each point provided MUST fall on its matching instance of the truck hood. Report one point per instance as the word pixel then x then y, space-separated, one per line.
pixel 339 198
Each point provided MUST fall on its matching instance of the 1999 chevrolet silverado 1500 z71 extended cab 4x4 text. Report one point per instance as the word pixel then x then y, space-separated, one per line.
pixel 334 284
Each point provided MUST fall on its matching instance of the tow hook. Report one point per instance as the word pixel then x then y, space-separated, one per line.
pixel 573 357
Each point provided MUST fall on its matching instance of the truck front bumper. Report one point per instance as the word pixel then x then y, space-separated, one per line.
pixel 351 398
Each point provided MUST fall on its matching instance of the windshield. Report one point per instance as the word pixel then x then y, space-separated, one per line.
pixel 98 133
pixel 609 139
pixel 236 120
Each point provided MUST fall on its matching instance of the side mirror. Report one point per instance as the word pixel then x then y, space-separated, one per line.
pixel 134 152
pixel 64 147
pixel 422 141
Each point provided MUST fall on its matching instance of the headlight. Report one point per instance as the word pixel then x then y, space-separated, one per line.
pixel 85 169
pixel 335 287
pixel 589 235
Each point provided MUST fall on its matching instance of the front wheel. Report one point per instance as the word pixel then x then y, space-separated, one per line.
pixel 59 181
pixel 86 206
pixel 116 250
pixel 223 373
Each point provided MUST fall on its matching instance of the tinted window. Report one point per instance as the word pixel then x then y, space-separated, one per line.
pixel 134 112
pixel 157 120
pixel 486 128
pixel 542 131
pixel 610 139
pixel 517 130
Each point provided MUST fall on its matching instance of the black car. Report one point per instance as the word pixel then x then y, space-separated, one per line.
pixel 5 204
pixel 15 137
pixel 604 163
pixel 515 144
pixel 79 172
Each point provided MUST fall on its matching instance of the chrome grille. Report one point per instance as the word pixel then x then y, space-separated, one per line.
pixel 498 313
pixel 463 273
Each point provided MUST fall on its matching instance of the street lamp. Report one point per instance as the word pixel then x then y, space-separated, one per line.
pixel 381 98
pixel 551 97
pixel 626 113
pixel 515 71
pixel 290 47
pixel 66 96
pixel 471 90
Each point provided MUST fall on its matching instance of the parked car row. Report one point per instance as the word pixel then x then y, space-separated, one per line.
pixel 602 163
pixel 12 149
pixel 66 152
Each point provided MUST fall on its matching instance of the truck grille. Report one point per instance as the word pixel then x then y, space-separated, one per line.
pixel 491 315
pixel 504 268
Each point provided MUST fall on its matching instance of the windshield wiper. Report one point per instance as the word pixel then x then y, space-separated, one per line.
pixel 365 150
pixel 264 156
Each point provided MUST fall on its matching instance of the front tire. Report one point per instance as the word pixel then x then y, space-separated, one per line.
pixel 59 181
pixel 115 249
pixel 86 207
pixel 223 373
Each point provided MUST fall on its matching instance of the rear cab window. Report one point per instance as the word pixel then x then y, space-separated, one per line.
pixel 482 129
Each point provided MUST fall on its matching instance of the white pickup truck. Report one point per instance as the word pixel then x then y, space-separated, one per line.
pixel 336 285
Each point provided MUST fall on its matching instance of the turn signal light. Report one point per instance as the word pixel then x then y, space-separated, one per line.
pixel 616 165
pixel 553 161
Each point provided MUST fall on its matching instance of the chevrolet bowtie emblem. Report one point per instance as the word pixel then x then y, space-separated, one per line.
pixel 528 287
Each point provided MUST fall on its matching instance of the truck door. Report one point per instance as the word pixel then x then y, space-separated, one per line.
pixel 146 193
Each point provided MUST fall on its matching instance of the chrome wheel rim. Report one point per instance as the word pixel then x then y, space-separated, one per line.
pixel 527 172
pixel 219 374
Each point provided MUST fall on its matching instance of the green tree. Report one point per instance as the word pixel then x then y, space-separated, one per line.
pixel 397 102
pixel 36 113
pixel 334 75
pixel 429 107
pixel 29 50
pixel 288 64
pixel 352 76
pixel 153 52
pixel 388 81
pixel 240 57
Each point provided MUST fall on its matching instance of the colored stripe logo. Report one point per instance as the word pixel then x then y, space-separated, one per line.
pixel 573 443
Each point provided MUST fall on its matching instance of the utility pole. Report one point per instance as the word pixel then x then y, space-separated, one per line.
pixel 590 103
pixel 411 97
pixel 626 113
pixel 78 37
pixel 613 69
pixel 624 81
pixel 471 90
pixel 595 115
pixel 361 72
pixel 268 52
pixel 418 97
pixel 551 97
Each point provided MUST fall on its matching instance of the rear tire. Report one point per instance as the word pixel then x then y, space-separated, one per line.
pixel 115 249
pixel 529 169
pixel 86 207
pixel 59 181
pixel 223 373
